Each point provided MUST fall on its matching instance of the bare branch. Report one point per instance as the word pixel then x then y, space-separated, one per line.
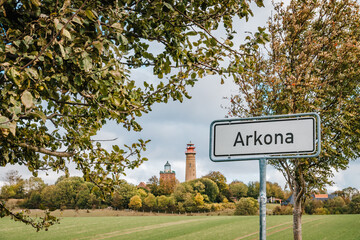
pixel 105 140
pixel 289 178
pixel 46 151
pixel 69 103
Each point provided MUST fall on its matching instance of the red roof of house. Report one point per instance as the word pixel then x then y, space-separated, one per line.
pixel 143 185
pixel 321 196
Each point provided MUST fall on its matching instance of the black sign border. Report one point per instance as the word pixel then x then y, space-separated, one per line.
pixel 261 120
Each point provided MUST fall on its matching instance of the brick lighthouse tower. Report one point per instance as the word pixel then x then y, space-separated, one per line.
pixel 190 171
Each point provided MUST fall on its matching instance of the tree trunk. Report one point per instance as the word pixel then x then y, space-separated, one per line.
pixel 297 212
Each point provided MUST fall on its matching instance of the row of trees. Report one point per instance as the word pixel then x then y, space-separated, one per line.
pixel 233 191
pixel 209 193
pixel 74 192
pixel 336 205
pixel 71 192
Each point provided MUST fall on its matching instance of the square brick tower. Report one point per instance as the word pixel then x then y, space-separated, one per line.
pixel 167 175
pixel 190 171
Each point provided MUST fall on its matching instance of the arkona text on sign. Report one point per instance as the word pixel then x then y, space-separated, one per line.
pixel 259 139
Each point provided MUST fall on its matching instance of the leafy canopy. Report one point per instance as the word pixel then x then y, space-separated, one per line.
pixel 310 65
pixel 66 67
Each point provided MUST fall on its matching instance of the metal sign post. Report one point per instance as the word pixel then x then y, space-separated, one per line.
pixel 262 138
pixel 263 198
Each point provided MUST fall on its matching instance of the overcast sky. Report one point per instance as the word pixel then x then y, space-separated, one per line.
pixel 171 126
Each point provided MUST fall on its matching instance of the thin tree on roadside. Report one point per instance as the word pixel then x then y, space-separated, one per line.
pixel 310 65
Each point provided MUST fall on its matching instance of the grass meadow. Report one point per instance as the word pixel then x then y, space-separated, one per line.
pixel 342 227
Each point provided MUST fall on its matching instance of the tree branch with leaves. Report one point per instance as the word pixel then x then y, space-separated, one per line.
pixel 66 70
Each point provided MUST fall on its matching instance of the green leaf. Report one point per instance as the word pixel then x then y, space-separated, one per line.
pixel 28 40
pixel 15 110
pixel 168 6
pixel 41 115
pixel 78 20
pixel 65 5
pixel 191 33
pixel 117 26
pixel 116 148
pixel 49 54
pixel 4 122
pixel 27 99
pixel 58 25
pixel 10 48
pixel 32 73
pixel 124 39
pixel 98 45
pixel 209 72
pixel 63 54
pixel 115 74
pixel 12 127
pixel 37 3
pixel 90 15
pixel 13 73
pixel 87 63
pixel 213 42
pixel 66 33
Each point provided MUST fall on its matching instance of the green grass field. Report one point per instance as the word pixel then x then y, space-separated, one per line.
pixel 343 227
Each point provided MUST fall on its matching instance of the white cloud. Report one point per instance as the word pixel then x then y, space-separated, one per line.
pixel 347 178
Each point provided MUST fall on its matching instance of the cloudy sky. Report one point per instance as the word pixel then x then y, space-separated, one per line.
pixel 171 126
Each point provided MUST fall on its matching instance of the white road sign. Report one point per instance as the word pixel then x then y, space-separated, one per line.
pixel 262 137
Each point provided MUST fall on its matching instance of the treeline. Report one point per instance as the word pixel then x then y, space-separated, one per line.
pixel 342 204
pixel 209 193
pixel 337 205
pixel 346 201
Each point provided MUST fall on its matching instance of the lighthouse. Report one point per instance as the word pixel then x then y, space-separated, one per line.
pixel 190 171
pixel 167 175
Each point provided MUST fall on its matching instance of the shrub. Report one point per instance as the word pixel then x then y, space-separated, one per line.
pixel 216 207
pixel 205 208
pixel 189 203
pixel 181 207
pixel 172 204
pixel 336 205
pixel 354 205
pixel 247 206
pixel 135 202
pixel 199 199
pixel 321 211
pixel 311 205
pixel 282 210
pixel 238 189
pixel 150 202
pixel 33 201
pixel 229 205
pixel 162 202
